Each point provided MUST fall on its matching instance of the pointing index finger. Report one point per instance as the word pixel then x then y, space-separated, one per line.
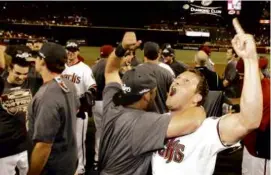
pixel 237 26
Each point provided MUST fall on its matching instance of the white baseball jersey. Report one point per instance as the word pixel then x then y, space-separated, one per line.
pixel 193 154
pixel 81 75
pixel 167 67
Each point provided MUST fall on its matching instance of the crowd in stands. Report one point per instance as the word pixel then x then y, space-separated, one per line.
pixel 19 35
pixel 54 21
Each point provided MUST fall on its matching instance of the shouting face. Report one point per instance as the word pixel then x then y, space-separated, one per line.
pixel 183 91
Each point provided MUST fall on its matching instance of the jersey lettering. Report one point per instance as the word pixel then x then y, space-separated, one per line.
pixel 73 78
pixel 173 151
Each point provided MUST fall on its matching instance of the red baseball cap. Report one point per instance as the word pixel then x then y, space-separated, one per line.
pixel 106 50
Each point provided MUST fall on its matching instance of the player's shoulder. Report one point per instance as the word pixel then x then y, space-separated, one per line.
pixel 210 121
pixel 84 67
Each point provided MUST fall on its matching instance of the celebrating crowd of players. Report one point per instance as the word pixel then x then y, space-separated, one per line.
pixel 156 117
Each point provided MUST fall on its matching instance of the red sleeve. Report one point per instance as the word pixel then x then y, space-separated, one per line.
pixel 266 104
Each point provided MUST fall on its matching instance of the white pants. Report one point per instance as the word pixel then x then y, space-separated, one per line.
pixel 97 114
pixel 8 164
pixel 253 165
pixel 81 132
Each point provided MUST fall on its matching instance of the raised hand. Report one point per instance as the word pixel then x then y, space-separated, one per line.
pixel 243 44
pixel 129 41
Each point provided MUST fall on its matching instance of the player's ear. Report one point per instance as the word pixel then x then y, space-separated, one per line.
pixel 197 98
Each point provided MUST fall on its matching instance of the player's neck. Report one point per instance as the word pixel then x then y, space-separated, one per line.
pixel 152 61
pixel 184 108
pixel 72 62
pixel 48 76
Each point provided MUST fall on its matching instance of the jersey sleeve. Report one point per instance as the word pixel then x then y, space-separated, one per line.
pixel 149 132
pixel 109 91
pixel 89 79
pixel 211 137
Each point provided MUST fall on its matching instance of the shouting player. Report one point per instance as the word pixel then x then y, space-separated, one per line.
pixel 195 154
pixel 129 133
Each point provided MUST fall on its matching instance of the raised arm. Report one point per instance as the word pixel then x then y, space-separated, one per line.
pixel 112 68
pixel 233 127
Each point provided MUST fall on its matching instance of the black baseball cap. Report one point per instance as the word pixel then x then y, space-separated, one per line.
pixel 53 53
pixel 166 45
pixel 151 50
pixel 72 46
pixel 168 52
pixel 138 81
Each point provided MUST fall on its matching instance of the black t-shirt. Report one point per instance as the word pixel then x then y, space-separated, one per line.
pixel 178 67
pixel 128 137
pixel 13 138
pixel 98 72
pixel 163 79
pixel 213 79
pixel 14 101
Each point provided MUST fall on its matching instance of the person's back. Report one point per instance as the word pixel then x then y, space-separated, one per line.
pixel 164 80
pixel 213 79
pixel 127 138
pixel 98 72
pixel 167 67
pixel 56 102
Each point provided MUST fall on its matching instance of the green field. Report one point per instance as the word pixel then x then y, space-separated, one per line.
pixel 92 53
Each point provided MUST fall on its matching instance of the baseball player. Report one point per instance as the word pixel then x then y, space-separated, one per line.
pixel 81 75
pixel 195 154
pixel 98 72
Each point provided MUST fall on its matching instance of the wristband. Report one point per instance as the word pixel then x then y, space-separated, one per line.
pixel 120 51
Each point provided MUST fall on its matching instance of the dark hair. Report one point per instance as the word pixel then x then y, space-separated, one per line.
pixel 202 87
pixel 122 99
pixel 57 66
pixel 19 61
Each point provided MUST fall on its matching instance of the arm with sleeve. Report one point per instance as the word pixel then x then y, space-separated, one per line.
pixel 149 132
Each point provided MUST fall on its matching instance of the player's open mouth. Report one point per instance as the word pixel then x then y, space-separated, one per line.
pixel 172 91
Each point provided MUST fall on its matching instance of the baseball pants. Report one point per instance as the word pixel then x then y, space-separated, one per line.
pixel 8 164
pixel 253 165
pixel 97 114
pixel 81 127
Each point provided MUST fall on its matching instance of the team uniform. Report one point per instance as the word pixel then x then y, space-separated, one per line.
pixel 81 75
pixel 193 154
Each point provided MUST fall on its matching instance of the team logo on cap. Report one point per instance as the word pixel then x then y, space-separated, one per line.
pixel 72 44
pixel 23 55
pixel 126 89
